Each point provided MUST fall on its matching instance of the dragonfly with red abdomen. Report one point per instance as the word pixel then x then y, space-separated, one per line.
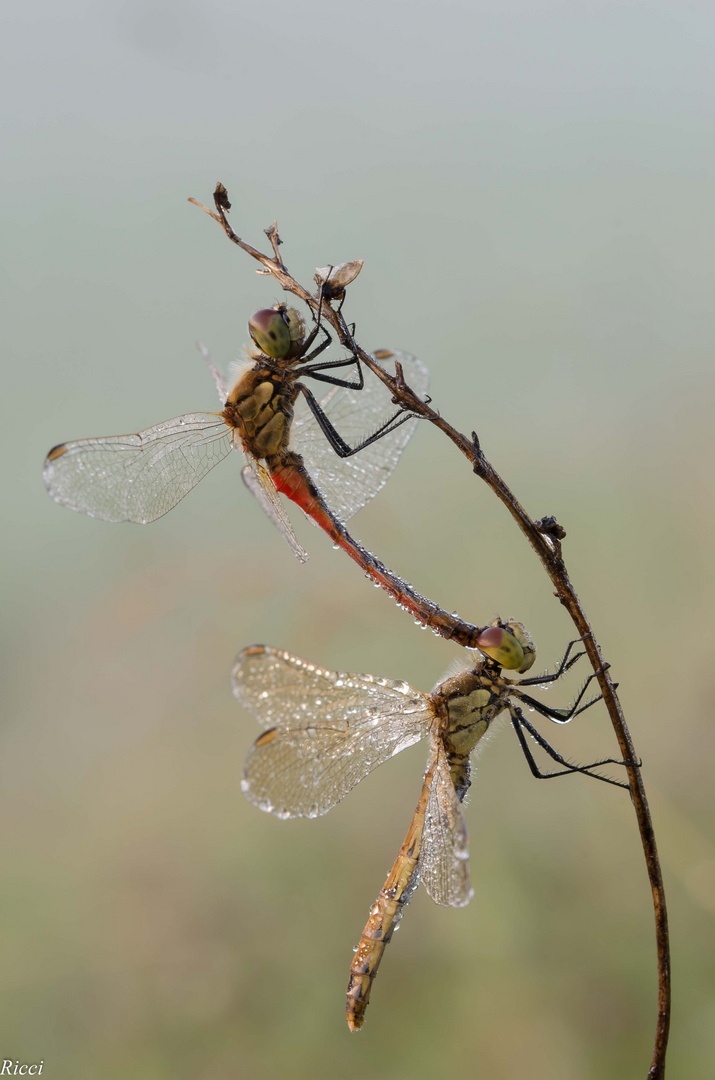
pixel 140 477
pixel 327 730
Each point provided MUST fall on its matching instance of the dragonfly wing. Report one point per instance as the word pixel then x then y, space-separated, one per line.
pixel 137 477
pixel 258 481
pixel 444 854
pixel 348 483
pixel 325 730
pixel 223 385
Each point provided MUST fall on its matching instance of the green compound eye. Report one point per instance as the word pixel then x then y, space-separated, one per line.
pixel 512 648
pixel 270 332
pixel 523 636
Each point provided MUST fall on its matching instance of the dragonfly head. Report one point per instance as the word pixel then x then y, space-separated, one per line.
pixel 278 332
pixel 509 644
pixel 270 331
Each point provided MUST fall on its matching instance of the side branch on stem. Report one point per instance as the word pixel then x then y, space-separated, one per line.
pixel 545 537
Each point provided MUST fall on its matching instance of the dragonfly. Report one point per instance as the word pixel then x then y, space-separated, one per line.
pixel 140 477
pixel 325 731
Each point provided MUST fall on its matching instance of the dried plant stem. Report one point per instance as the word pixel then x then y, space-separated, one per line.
pixel 545 537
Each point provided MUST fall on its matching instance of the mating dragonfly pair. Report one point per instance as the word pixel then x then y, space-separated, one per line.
pixel 326 730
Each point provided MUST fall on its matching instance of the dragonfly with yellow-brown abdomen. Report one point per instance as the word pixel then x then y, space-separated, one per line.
pixel 327 730
pixel 140 477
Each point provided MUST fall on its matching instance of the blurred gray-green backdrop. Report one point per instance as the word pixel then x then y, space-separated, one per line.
pixel 531 186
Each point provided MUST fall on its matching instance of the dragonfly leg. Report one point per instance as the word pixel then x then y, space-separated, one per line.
pixel 312 370
pixel 338 444
pixel 563 667
pixel 521 724
pixel 319 348
pixel 358 385
pixel 563 716
pixel 314 332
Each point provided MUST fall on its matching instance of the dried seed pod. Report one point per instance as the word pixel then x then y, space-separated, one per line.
pixel 335 279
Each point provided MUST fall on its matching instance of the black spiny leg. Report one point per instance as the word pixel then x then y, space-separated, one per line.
pixel 313 370
pixel 521 724
pixel 562 716
pixel 562 668
pixel 309 341
pixel 313 334
pixel 338 444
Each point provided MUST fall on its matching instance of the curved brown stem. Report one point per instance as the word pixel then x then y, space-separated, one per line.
pixel 545 537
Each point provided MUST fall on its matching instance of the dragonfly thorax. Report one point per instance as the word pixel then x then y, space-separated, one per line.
pixel 260 408
pixel 466 705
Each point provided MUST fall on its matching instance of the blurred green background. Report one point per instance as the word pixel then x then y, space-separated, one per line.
pixel 531 186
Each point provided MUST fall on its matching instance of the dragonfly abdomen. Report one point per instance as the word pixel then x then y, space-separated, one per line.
pixel 293 480
pixel 460 771
pixel 385 915
pixel 387 911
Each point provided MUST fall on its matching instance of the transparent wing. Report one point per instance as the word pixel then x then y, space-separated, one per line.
pixel 137 477
pixel 326 730
pixel 348 483
pixel 223 386
pixel 444 854
pixel 258 481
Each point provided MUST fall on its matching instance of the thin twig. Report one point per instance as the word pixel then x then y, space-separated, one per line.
pixel 545 537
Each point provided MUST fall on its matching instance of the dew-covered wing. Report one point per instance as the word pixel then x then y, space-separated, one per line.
pixel 444 853
pixel 348 483
pixel 258 481
pixel 137 477
pixel 325 730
